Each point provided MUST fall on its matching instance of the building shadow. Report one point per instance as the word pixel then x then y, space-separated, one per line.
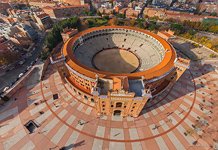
pixel 72 146
pixel 196 72
pixel 187 49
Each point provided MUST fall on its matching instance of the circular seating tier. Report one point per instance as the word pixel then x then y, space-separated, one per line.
pixel 148 50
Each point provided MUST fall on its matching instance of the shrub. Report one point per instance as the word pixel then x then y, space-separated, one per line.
pixel 213 55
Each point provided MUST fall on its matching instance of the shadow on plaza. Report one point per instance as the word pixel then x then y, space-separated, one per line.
pixel 48 72
pixel 76 145
pixel 197 70
pixel 186 50
pixel 22 101
pixel 26 95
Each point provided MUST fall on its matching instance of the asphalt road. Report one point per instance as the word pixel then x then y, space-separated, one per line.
pixel 11 76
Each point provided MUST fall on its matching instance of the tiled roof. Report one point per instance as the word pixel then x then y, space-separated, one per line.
pixel 62 7
pixel 43 15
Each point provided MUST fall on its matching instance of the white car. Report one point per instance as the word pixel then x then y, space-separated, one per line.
pixel 20 75
pixel 6 88
pixel 28 68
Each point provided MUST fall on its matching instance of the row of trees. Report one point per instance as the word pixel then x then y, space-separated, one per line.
pixel 140 23
pixel 186 29
pixel 54 37
pixel 210 43
pixel 96 22
pixel 208 25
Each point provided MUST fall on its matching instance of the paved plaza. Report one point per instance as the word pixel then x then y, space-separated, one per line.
pixel 183 117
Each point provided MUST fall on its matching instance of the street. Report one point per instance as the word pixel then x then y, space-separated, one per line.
pixel 11 76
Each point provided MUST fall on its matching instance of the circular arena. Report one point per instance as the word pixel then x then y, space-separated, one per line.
pixel 117 65
pixel 146 53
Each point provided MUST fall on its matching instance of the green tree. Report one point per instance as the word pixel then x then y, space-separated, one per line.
pixel 140 23
pixel 213 14
pixel 213 29
pixel 177 27
pixel 106 17
pixel 54 37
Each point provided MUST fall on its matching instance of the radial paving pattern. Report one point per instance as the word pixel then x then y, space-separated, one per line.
pixel 179 119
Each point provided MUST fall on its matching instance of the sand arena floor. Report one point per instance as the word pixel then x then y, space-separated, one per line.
pixel 116 61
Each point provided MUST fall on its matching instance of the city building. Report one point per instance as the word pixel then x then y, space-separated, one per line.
pixel 66 11
pixel 73 2
pixel 208 7
pixel 182 1
pixel 23 34
pixel 5 29
pixel 119 69
pixel 68 33
pixel 106 11
pixel 169 14
pixel 25 30
pixel 123 11
pixel 43 20
pixel 161 2
pixel 131 13
pixel 4 7
pixel 7 46
pixel 9 53
pixel 165 34
pixel 39 4
pixel 193 1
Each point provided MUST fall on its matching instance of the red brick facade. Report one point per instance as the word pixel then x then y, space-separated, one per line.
pixel 180 16
pixel 67 11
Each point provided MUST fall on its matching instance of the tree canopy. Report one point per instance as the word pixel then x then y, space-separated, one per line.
pixel 54 37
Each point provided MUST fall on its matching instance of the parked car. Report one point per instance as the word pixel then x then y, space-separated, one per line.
pixel 28 68
pixel 20 75
pixel 21 62
pixel 5 89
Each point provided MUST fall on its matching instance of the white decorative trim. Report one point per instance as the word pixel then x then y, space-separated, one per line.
pixel 155 79
pixel 80 75
pixel 57 61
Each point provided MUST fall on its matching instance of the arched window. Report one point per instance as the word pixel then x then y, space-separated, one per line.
pixel 86 98
pixel 119 104
pixel 117 112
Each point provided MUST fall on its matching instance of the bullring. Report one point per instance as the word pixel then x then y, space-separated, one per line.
pixel 119 68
